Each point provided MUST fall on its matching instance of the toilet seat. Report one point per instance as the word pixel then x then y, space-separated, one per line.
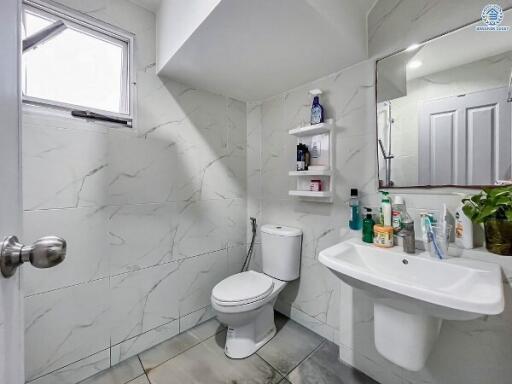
pixel 243 288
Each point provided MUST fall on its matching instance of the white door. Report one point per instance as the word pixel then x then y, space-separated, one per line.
pixel 45 252
pixel 11 314
pixel 465 140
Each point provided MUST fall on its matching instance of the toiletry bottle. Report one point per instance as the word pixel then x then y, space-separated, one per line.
pixel 355 210
pixel 300 158
pixel 385 210
pixel 463 229
pixel 307 158
pixel 368 225
pixel 397 213
pixel 317 111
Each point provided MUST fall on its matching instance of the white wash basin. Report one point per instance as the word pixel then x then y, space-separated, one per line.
pixel 413 293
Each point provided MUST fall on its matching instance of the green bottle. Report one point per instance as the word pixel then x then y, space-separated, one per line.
pixel 368 224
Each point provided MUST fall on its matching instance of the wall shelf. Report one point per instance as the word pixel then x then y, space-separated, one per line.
pixel 310 193
pixel 310 130
pixel 322 135
pixel 326 172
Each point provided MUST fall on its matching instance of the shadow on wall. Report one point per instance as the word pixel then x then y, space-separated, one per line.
pixel 197 140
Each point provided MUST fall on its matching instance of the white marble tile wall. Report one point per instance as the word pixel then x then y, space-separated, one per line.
pixel 154 216
pixel 468 352
pixel 314 299
pixel 395 24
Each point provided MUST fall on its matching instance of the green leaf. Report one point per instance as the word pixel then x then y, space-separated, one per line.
pixel 470 211
pixel 491 202
pixel 500 191
pixel 485 213
pixel 476 199
pixel 503 200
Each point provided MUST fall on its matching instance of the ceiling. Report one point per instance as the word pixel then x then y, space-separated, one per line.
pixel 458 48
pixel 151 5
pixel 251 50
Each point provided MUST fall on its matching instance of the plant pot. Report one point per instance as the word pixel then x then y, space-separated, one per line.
pixel 498 236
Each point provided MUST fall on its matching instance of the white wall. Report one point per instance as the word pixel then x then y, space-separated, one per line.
pixel 396 24
pixel 472 352
pixel 348 98
pixel 176 21
pixel 145 211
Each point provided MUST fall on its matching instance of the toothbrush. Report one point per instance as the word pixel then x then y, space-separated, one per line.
pixel 431 236
pixel 445 214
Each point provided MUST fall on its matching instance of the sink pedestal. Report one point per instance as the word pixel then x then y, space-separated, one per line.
pixel 404 338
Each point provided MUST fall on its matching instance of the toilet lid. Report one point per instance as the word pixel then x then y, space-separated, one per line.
pixel 243 288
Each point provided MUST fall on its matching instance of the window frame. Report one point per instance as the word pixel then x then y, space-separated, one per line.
pixel 100 30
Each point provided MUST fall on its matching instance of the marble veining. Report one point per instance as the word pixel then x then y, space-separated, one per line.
pixel 396 24
pixel 149 213
pixel 318 300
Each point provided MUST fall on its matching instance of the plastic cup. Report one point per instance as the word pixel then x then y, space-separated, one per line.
pixel 438 243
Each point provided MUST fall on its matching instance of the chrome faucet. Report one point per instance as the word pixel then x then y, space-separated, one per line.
pixel 409 237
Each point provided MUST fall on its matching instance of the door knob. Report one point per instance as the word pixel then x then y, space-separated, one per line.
pixel 46 252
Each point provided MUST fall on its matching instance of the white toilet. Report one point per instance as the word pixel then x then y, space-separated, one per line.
pixel 245 301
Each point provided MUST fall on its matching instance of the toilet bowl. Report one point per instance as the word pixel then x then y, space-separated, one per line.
pixel 244 302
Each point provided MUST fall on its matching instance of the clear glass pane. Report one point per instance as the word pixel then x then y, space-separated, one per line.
pixel 34 23
pixel 74 68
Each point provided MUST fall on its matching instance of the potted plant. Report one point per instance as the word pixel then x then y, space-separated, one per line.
pixel 493 208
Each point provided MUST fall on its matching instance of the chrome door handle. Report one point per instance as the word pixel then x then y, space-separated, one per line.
pixel 46 252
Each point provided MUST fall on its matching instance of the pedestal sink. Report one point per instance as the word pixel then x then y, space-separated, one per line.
pixel 412 294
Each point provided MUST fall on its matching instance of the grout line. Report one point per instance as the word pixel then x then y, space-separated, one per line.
pixel 182 352
pixel 308 356
pixel 74 362
pixel 143 370
pixel 271 366
pixel 67 286
pixel 117 205
pixel 145 332
pixel 109 276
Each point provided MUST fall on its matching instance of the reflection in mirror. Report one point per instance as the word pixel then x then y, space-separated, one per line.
pixel 444 111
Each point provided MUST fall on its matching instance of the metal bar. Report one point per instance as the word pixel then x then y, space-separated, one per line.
pixel 43 35
pixel 100 117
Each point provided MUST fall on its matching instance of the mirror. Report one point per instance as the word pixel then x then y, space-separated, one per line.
pixel 444 111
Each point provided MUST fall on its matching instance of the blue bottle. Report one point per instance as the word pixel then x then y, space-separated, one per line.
pixel 317 112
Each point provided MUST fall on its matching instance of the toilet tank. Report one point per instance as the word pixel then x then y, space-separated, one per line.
pixel 280 251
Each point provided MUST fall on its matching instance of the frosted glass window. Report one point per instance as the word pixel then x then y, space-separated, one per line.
pixel 79 67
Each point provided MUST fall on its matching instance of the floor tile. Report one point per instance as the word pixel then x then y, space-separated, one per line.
pixel 119 374
pixel 207 363
pixel 323 367
pixel 207 329
pixel 140 380
pixel 291 344
pixel 178 344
